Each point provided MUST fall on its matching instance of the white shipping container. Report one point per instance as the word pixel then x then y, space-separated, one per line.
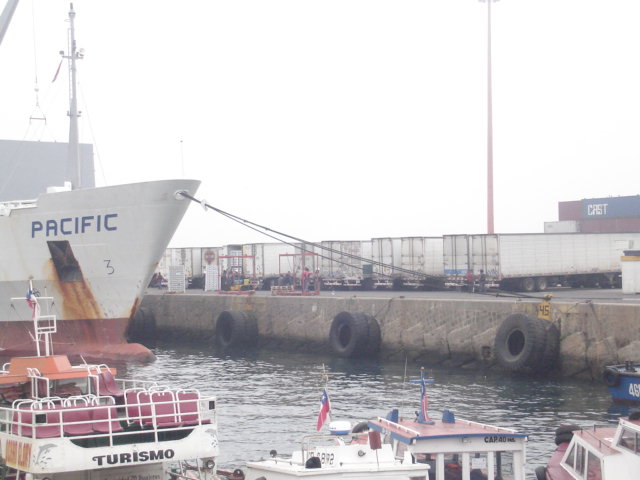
pixel 422 255
pixel 562 226
pixel 388 252
pixel 556 254
pixel 336 261
pixel 456 256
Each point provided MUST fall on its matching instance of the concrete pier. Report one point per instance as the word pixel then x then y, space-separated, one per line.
pixel 451 331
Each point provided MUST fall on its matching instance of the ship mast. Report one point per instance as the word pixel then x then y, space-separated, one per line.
pixel 5 17
pixel 74 163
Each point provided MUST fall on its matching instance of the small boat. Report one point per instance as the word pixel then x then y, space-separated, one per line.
pixel 397 448
pixel 62 421
pixel 606 452
pixel 623 382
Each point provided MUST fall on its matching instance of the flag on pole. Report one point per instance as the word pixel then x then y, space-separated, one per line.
pixel 55 77
pixel 32 302
pixel 325 408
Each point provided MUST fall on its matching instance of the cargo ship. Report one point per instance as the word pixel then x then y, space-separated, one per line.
pixel 93 250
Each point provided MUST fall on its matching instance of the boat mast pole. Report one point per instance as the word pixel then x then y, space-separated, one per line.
pixel 74 141
pixel 5 17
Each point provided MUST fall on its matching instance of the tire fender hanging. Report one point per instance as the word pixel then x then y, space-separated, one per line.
pixel 354 335
pixel 236 328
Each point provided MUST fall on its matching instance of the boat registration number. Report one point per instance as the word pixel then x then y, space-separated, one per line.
pixel 634 389
pixel 325 458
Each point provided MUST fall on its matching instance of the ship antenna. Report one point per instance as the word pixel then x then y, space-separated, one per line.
pixel 74 141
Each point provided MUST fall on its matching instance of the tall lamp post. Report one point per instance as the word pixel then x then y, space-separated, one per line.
pixel 490 228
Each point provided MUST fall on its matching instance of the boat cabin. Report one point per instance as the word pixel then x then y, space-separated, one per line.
pixel 80 422
pixel 600 453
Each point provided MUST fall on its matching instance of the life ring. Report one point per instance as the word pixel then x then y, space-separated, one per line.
pixel 611 376
pixel 236 328
pixel 521 343
pixel 354 335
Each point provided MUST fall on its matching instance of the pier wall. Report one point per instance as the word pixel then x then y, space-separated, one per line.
pixel 440 331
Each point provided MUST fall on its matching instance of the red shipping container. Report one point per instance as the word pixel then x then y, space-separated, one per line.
pixel 610 225
pixel 570 210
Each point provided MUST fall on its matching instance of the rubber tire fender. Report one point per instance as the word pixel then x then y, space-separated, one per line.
pixel 354 335
pixel 564 433
pixel 611 377
pixel 236 328
pixel 360 427
pixel 520 342
pixel 541 473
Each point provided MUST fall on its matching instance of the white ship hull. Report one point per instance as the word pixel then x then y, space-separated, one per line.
pixel 94 251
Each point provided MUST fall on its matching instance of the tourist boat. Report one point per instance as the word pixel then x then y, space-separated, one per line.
pixel 623 382
pixel 412 448
pixel 93 250
pixel 607 452
pixel 80 422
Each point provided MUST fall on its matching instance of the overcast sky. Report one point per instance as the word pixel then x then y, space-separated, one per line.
pixel 342 120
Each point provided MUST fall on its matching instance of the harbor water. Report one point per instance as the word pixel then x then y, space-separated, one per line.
pixel 270 399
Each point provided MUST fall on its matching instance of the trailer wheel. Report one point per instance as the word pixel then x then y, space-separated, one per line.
pixel 541 284
pixel 236 328
pixel 528 284
pixel 520 343
pixel 354 335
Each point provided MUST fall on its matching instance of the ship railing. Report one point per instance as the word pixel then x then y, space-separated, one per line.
pixel 90 416
pixel 7 207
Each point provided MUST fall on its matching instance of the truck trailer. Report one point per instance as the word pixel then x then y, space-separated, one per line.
pixel 534 261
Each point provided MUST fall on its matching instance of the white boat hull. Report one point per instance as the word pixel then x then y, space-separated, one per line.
pixel 94 252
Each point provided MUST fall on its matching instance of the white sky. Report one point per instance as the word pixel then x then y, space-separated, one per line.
pixel 343 119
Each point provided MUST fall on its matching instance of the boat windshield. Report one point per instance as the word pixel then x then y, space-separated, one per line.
pixel 629 440
pixel 583 463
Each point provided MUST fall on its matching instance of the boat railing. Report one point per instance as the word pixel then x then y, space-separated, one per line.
pixel 90 416
pixel 402 428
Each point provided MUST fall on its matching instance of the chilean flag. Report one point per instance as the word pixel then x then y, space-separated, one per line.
pixel 325 408
pixel 32 302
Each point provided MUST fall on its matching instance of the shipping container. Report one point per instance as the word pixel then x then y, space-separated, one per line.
pixel 611 207
pixel 342 261
pixel 267 263
pixel 421 257
pixel 570 210
pixel 531 262
pixel 563 226
pixel 386 254
pixel 610 225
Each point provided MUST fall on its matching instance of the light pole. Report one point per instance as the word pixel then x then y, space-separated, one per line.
pixel 490 228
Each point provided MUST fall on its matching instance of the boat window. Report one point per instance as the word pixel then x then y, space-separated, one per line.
pixel 629 440
pixel 64 260
pixel 571 457
pixel 584 463
pixel 594 470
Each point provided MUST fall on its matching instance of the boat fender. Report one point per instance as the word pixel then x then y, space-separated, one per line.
pixel 360 427
pixel 541 473
pixel 354 335
pixel 564 433
pixel 236 328
pixel 521 343
pixel 611 376
pixel 313 462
